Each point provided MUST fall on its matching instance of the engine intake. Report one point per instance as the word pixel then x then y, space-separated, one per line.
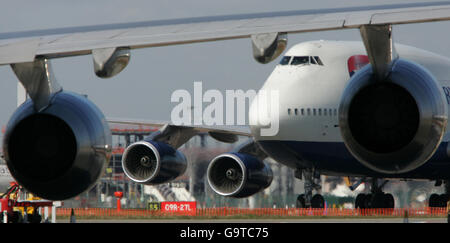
pixel 238 175
pixel 151 162
pixel 61 151
pixel 394 125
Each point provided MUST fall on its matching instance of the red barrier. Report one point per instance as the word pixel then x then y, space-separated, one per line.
pixel 261 212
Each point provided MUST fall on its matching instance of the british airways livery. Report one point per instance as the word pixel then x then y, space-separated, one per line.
pixel 383 132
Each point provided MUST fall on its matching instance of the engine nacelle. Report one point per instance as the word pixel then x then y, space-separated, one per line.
pixel 238 175
pixel 268 46
pixel 60 151
pixel 151 162
pixel 394 125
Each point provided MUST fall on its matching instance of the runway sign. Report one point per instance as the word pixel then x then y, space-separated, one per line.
pixel 179 208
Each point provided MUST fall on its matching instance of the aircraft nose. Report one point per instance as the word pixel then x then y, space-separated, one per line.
pixel 264 114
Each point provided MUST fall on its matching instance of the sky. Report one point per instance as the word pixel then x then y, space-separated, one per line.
pixel 143 90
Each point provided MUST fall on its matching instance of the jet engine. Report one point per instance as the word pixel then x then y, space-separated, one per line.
pixel 152 162
pixel 60 151
pixel 393 125
pixel 238 175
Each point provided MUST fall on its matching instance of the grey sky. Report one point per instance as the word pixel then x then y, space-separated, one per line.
pixel 144 88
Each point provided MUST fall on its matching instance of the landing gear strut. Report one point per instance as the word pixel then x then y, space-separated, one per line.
pixel 376 198
pixel 312 182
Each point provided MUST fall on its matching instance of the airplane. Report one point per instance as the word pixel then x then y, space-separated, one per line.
pixel 384 117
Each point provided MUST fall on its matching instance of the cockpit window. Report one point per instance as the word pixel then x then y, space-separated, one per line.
pixel 285 60
pixel 300 60
pixel 318 60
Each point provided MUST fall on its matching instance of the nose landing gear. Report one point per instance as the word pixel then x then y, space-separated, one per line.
pixel 312 182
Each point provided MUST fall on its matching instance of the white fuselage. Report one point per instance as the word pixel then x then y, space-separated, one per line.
pixel 309 95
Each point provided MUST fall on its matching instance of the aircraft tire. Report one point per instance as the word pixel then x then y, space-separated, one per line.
pixel 317 201
pixel 433 200
pixel 389 201
pixel 300 203
pixel 377 200
pixel 360 200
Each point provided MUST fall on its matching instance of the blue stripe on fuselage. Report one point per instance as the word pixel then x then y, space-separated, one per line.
pixel 334 157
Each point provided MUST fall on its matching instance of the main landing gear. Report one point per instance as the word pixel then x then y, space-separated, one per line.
pixel 440 201
pixel 376 198
pixel 312 182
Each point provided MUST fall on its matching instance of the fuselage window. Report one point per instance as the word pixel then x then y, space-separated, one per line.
pixel 289 111
pixel 300 60
pixel 314 111
pixel 285 60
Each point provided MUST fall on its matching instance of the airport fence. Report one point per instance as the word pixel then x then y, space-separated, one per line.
pixel 257 212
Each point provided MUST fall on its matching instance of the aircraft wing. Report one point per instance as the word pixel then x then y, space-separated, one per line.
pixel 177 135
pixel 16 47
pixel 236 130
